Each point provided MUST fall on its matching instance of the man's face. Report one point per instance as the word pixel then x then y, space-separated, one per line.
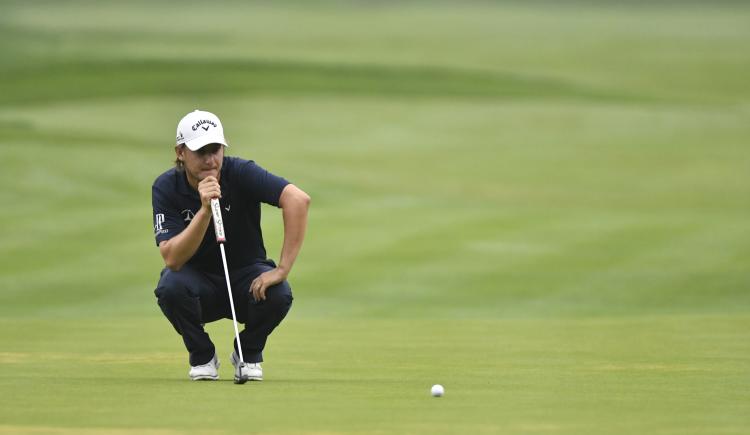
pixel 202 163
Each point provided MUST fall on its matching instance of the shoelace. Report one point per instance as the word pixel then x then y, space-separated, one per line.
pixel 211 363
pixel 204 365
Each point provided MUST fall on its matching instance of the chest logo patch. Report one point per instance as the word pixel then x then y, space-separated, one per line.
pixel 187 214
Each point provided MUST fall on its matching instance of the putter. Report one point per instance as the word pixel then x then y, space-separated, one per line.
pixel 239 378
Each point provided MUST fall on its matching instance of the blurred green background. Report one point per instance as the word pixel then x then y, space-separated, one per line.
pixel 541 205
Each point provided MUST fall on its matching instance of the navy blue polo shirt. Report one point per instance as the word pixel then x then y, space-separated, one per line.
pixel 244 185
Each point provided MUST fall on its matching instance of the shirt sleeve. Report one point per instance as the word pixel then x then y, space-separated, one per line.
pixel 259 184
pixel 167 220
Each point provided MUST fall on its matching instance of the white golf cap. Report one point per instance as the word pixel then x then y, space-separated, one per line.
pixel 198 129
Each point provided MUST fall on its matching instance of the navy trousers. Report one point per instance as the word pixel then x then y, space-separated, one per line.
pixel 189 298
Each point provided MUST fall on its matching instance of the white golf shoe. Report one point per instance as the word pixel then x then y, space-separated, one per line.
pixel 253 371
pixel 206 372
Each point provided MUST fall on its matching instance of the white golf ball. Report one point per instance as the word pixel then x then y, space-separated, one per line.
pixel 437 390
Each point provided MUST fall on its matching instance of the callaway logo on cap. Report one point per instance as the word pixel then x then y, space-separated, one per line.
pixel 198 129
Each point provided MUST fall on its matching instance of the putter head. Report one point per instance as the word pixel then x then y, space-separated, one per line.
pixel 239 378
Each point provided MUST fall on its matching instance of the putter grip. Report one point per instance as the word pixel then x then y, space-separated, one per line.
pixel 218 221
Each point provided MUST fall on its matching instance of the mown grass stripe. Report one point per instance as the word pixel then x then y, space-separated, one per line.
pixel 90 80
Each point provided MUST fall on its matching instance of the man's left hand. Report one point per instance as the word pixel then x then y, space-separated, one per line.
pixel 265 280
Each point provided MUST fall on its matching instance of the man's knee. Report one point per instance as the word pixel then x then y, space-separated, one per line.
pixel 279 298
pixel 173 287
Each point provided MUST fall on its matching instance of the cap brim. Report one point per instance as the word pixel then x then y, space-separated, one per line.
pixel 206 139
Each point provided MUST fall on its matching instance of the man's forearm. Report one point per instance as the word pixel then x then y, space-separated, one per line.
pixel 180 248
pixel 294 211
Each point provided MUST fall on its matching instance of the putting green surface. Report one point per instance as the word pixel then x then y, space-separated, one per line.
pixel 681 374
pixel 543 208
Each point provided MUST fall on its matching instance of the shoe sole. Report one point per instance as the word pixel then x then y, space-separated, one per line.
pixel 205 378
pixel 254 378
pixel 249 380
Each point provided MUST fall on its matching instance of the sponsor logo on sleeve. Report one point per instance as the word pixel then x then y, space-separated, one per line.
pixel 158 222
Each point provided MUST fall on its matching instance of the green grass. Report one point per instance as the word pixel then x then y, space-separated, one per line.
pixel 633 375
pixel 542 207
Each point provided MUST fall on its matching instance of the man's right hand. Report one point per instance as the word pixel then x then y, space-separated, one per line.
pixel 180 248
pixel 209 189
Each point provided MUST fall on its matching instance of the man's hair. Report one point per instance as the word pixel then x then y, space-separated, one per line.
pixel 178 164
